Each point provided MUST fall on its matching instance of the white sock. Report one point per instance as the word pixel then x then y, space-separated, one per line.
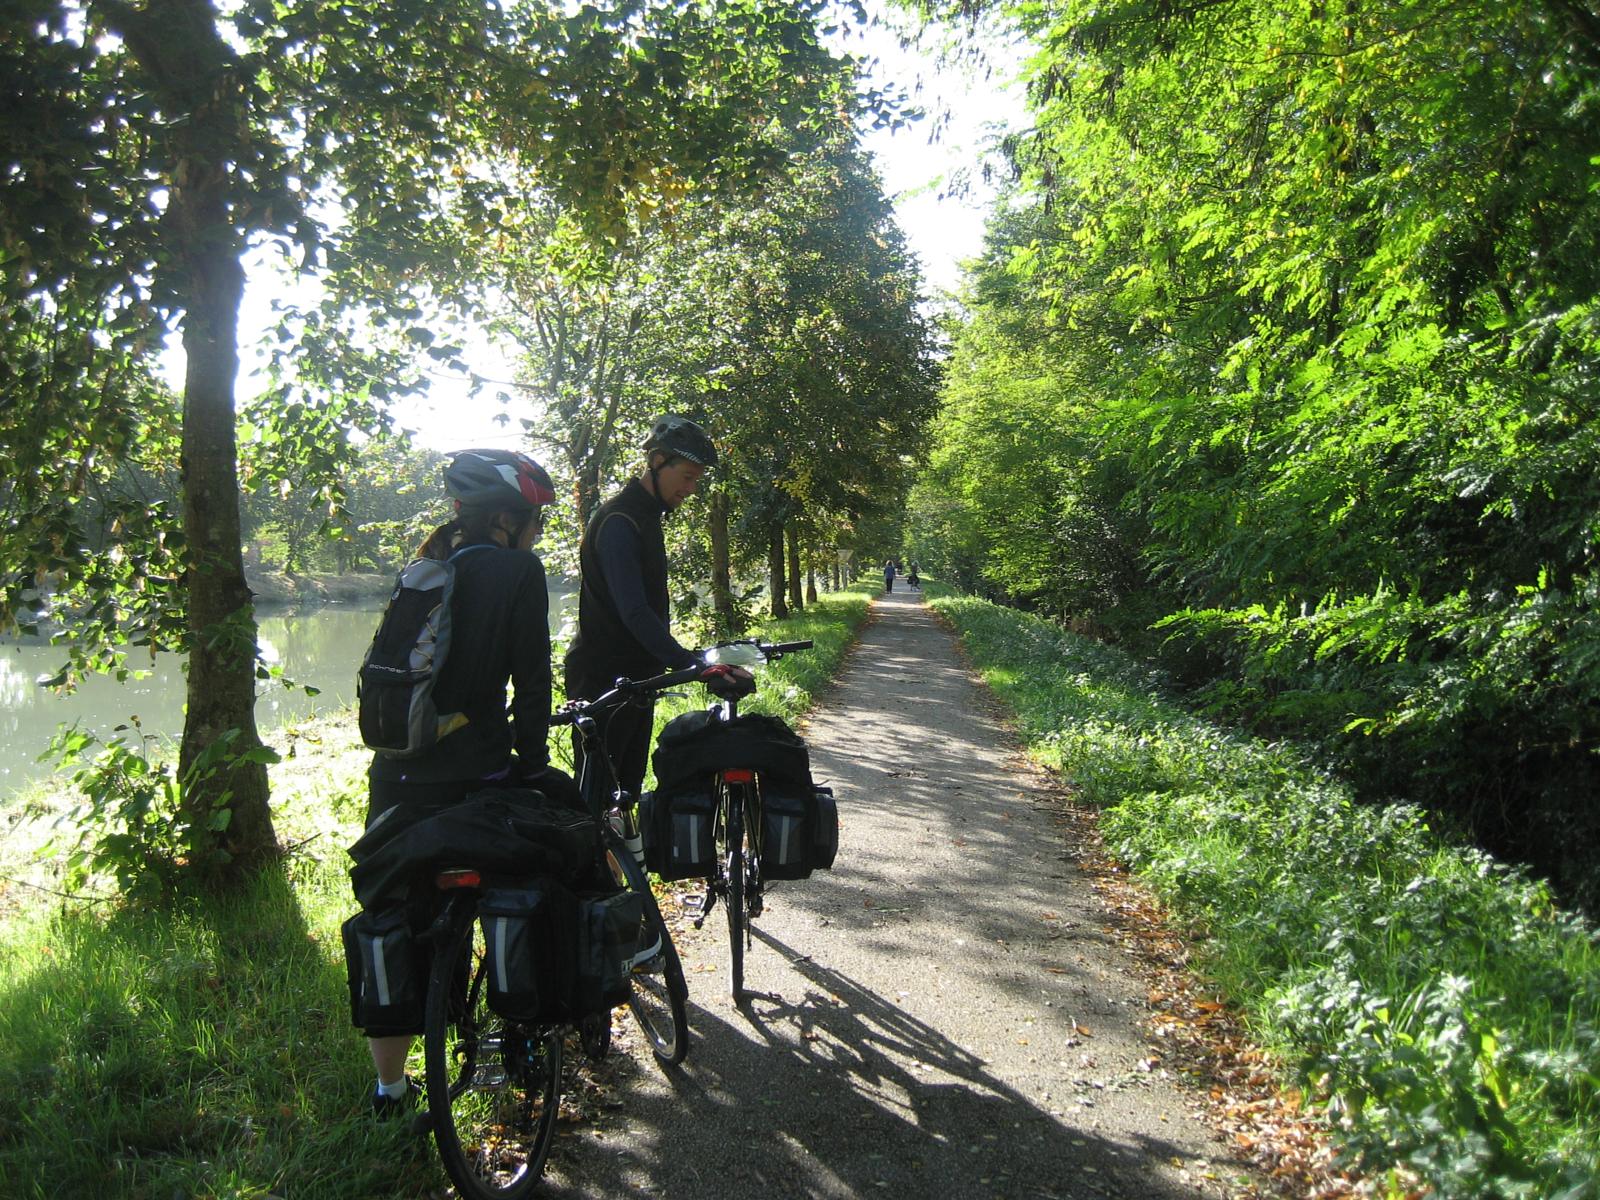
pixel 393 1090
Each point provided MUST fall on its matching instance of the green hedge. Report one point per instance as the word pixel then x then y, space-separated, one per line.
pixel 1441 1004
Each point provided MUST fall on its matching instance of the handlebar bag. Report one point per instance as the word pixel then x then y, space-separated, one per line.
pixel 530 935
pixel 608 938
pixel 696 745
pixel 677 827
pixel 386 970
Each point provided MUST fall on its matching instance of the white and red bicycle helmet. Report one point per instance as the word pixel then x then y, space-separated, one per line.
pixel 498 480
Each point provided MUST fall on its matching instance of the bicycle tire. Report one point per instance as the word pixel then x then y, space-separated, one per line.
pixel 658 992
pixel 493 1086
pixel 733 855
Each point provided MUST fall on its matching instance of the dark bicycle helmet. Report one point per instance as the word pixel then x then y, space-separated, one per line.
pixel 498 480
pixel 681 437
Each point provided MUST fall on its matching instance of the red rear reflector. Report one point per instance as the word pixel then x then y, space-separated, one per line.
pixel 458 879
pixel 739 775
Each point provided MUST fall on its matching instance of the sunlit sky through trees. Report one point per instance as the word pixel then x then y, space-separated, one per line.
pixel 932 170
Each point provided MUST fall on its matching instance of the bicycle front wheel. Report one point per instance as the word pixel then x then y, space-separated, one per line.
pixel 494 1086
pixel 659 992
pixel 732 801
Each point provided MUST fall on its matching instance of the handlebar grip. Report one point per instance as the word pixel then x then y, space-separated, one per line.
pixel 790 647
pixel 623 689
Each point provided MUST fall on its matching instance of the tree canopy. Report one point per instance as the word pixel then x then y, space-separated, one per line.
pixel 1286 342
pixel 146 146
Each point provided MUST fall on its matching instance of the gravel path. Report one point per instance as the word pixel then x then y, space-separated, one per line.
pixel 943 1014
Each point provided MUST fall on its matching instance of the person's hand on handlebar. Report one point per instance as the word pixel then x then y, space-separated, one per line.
pixel 727 682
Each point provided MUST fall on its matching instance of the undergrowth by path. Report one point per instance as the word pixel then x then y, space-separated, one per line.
pixel 1437 1005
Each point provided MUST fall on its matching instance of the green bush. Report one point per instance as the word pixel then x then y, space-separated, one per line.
pixel 1441 1003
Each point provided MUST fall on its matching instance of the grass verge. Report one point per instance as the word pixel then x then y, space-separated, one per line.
pixel 1446 1012
pixel 208 1052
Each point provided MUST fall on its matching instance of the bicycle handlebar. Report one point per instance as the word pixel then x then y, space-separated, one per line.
pixel 625 688
pixel 781 648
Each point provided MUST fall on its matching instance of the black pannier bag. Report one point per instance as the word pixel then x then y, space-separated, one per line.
pixel 799 832
pixel 677 827
pixel 824 828
pixel 530 935
pixel 800 821
pixel 387 972
pixel 608 938
pixel 508 832
pixel 785 835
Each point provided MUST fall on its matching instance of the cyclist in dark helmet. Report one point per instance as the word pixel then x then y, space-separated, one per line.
pixel 501 635
pixel 623 607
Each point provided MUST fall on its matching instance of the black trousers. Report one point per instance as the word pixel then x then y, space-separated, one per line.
pixel 626 730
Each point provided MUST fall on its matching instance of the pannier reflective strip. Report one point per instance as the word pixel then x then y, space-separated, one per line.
pixel 783 841
pixel 380 971
pixel 691 831
pixel 501 982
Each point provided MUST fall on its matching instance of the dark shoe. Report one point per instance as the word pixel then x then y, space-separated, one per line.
pixel 386 1108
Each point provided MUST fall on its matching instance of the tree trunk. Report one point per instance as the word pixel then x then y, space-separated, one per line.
pixel 721 583
pixel 196 75
pixel 796 602
pixel 811 576
pixel 780 607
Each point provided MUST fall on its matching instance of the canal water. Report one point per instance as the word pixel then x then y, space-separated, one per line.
pixel 320 647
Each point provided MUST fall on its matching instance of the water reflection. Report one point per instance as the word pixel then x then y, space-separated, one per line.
pixel 318 647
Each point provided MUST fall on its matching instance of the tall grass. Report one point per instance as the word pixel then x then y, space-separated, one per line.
pixel 1439 1002
pixel 208 1052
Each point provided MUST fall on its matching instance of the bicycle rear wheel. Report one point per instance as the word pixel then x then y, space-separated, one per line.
pixel 733 857
pixel 493 1086
pixel 659 992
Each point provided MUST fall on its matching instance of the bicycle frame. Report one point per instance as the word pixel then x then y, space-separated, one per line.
pixel 659 994
pixel 736 879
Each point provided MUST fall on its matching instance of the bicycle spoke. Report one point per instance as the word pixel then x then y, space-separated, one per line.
pixel 494 1087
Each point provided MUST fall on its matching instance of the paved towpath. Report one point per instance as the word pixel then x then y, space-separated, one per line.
pixel 944 1014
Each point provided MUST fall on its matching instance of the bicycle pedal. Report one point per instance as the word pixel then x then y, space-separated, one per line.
pixel 646 957
pixel 421 1124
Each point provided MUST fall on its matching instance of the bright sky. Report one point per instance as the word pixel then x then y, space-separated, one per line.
pixel 943 222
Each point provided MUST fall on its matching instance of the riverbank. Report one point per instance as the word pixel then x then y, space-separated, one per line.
pixel 281 588
pixel 274 589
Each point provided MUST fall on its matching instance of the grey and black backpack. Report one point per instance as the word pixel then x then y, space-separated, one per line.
pixel 395 687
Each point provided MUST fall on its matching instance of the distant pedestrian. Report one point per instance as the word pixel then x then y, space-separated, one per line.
pixel 913 579
pixel 888 574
